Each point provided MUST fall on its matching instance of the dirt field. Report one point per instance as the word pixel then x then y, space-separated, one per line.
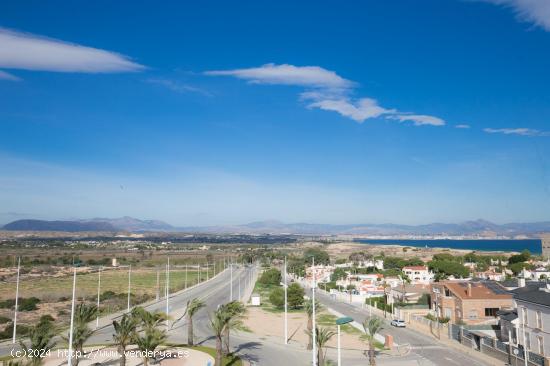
pixel 265 323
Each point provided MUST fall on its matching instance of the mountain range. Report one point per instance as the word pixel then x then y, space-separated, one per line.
pixel 129 224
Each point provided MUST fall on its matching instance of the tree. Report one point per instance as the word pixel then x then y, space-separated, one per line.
pixel 125 332
pixel 277 297
pixel 372 326
pixel 81 332
pixel 295 295
pixel 150 335
pixel 40 338
pixel 338 274
pixel 308 307
pixel 234 311
pixel 217 323
pixel 449 268
pixel 321 257
pixel 193 306
pixel 322 336
pixel 404 280
pixel 271 276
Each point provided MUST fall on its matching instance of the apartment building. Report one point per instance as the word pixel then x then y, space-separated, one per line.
pixel 470 302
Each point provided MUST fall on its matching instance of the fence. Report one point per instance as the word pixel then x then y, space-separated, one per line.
pixel 493 347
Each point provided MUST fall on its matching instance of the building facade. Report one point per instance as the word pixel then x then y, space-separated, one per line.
pixel 470 302
pixel 419 274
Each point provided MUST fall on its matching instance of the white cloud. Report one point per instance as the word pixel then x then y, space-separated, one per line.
pixel 31 52
pixel 517 131
pixel 306 76
pixel 533 11
pixel 419 119
pixel 177 87
pixel 6 76
pixel 465 126
pixel 363 109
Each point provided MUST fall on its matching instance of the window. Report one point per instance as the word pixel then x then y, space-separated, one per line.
pixel 539 319
pixel 448 313
pixel 525 317
pixel 491 311
pixel 472 314
pixel 527 341
pixel 541 345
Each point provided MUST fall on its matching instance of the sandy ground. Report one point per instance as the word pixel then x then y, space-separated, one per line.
pixel 109 356
pixel 265 323
pixel 343 250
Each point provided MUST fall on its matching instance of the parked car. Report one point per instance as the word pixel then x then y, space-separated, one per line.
pixel 398 323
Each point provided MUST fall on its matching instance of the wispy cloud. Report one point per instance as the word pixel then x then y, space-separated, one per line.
pixel 419 119
pixel 359 111
pixel 27 51
pixel 517 131
pixel 533 11
pixel 463 126
pixel 306 76
pixel 177 86
pixel 326 90
pixel 6 76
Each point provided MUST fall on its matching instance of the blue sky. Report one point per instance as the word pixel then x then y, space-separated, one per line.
pixel 202 113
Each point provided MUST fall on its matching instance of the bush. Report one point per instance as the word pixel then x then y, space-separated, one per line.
pixel 277 297
pixel 295 296
pixel 28 304
pixel 22 330
pixel 4 320
pixel 46 318
pixel 270 277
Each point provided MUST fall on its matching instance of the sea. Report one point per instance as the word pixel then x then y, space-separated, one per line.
pixel 512 245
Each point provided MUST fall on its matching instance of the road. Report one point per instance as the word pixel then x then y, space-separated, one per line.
pixel 424 348
pixel 214 292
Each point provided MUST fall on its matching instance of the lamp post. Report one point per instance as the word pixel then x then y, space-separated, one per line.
pixel 16 300
pixel 339 322
pixel 168 286
pixel 129 285
pixel 70 355
pixel 98 292
pixel 314 333
pixel 231 282
pixel 285 286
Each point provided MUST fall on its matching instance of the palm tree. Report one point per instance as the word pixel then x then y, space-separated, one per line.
pixel 218 323
pixel 372 326
pixel 404 280
pixel 234 311
pixel 150 336
pixel 322 336
pixel 125 332
pixel 308 307
pixel 83 314
pixel 193 306
pixel 41 338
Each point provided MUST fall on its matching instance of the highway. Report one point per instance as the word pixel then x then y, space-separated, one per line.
pixel 213 292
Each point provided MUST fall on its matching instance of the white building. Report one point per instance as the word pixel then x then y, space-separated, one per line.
pixel 419 274
pixel 531 328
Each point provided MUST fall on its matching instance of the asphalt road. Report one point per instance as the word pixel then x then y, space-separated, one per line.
pixel 213 293
pixel 425 349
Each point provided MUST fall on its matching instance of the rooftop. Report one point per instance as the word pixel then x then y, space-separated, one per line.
pixel 536 293
pixel 479 290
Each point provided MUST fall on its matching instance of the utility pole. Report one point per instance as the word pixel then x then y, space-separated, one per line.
pixel 70 355
pixel 314 332
pixel 98 292
pixel 129 285
pixel 186 276
pixel 207 274
pixel 239 288
pixel 16 300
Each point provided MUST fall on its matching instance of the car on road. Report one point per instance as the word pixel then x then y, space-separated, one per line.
pixel 398 323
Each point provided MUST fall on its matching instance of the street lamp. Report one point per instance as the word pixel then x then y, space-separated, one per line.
pixel 285 286
pixel 339 322
pixel 16 300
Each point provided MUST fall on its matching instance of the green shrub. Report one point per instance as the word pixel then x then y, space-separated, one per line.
pixel 295 295
pixel 270 277
pixel 277 297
